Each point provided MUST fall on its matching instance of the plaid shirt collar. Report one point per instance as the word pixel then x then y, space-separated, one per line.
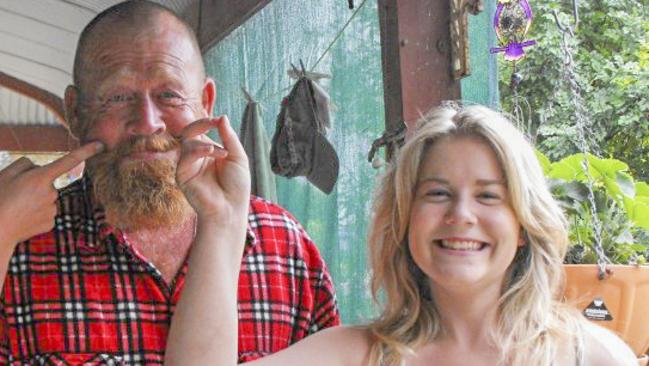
pixel 91 227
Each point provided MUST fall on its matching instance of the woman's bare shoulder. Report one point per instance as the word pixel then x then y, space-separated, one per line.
pixel 357 337
pixel 603 348
pixel 338 346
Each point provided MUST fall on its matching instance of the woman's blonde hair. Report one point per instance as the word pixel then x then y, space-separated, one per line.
pixel 531 323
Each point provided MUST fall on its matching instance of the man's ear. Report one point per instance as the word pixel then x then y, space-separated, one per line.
pixel 71 104
pixel 208 96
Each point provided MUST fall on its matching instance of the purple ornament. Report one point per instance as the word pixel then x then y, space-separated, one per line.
pixel 511 22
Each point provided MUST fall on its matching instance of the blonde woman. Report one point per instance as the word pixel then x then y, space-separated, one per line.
pixel 466 245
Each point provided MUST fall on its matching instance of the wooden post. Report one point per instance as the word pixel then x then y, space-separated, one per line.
pixel 416 52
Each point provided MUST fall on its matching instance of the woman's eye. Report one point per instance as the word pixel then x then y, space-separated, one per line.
pixel 489 196
pixel 437 193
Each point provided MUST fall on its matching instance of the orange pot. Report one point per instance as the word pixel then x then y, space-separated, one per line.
pixel 620 302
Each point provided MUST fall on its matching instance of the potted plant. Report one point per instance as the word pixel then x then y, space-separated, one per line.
pixel 607 266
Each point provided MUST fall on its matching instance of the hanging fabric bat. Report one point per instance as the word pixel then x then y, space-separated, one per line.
pixel 299 146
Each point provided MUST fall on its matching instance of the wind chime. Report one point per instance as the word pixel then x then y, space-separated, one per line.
pixel 511 22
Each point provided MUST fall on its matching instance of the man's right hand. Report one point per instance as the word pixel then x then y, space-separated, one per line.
pixel 28 197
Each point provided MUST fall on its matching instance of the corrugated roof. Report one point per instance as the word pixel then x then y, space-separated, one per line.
pixel 16 109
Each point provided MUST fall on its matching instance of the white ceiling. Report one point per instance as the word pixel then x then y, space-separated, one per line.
pixel 38 38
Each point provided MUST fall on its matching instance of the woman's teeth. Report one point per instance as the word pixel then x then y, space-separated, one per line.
pixel 461 244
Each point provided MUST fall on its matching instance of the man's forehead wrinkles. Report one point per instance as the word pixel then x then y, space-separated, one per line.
pixel 164 65
pixel 123 73
pixel 112 68
pixel 109 55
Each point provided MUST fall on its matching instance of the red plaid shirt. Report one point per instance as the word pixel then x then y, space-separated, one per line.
pixel 80 295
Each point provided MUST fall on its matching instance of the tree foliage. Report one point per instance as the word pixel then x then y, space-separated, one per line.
pixel 611 67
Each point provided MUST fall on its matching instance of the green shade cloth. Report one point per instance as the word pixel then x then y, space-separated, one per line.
pixel 482 85
pixel 255 142
pixel 258 54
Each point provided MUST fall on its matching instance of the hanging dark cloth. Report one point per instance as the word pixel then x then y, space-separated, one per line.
pixel 255 143
pixel 299 146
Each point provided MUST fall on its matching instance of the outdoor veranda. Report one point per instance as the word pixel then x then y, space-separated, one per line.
pixel 581 89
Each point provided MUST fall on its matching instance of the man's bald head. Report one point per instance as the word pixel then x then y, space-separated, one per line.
pixel 129 17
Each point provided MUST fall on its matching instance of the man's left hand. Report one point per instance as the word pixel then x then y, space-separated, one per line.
pixel 214 179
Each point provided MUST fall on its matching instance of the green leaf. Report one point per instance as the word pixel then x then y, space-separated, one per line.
pixel 544 161
pixel 626 184
pixel 606 167
pixel 575 190
pixel 638 247
pixel 568 168
pixel 640 214
pixel 642 189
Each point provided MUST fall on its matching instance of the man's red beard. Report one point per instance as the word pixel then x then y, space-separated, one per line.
pixel 139 194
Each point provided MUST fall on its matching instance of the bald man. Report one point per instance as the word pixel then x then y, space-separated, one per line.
pixel 102 285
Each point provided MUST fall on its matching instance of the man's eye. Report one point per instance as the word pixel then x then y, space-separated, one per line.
pixel 119 98
pixel 168 95
pixel 170 98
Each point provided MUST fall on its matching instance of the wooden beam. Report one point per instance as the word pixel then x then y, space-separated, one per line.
pixel 424 53
pixel 52 101
pixel 218 18
pixel 26 138
pixel 390 60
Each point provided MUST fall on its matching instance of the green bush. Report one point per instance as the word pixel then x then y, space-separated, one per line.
pixel 622 207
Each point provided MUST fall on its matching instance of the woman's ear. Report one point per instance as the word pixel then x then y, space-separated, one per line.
pixel 522 238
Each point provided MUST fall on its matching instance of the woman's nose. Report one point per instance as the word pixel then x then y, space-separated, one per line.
pixel 460 212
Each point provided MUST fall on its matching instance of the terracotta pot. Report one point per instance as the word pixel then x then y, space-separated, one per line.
pixel 620 302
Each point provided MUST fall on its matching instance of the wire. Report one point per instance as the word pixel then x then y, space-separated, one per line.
pixel 339 34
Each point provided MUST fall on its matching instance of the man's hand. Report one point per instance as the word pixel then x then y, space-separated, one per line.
pixel 215 179
pixel 28 197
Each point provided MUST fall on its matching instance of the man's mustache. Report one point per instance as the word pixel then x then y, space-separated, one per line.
pixel 138 144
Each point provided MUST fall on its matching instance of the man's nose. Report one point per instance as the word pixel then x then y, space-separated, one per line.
pixel 460 212
pixel 146 118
